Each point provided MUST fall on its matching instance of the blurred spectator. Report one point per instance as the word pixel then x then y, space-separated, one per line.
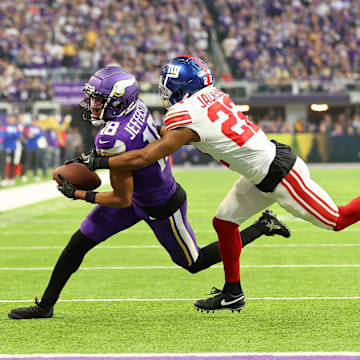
pixel 326 125
pixel 301 125
pixel 2 151
pixel 74 143
pixel 32 134
pixel 356 123
pixel 11 133
pixel 52 127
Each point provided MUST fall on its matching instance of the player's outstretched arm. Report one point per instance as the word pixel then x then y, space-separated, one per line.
pixel 131 160
pixel 120 196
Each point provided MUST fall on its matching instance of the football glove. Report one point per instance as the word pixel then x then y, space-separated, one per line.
pixel 91 160
pixel 78 159
pixel 67 188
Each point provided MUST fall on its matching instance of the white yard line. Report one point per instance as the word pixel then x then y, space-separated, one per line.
pixel 239 355
pixel 173 267
pixel 267 298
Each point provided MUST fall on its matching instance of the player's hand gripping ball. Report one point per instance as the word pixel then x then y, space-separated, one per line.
pixel 78 175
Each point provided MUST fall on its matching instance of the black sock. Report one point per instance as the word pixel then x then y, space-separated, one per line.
pixel 250 234
pixel 233 287
pixel 68 262
pixel 208 255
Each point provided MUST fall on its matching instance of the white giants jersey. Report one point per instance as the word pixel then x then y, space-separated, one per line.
pixel 226 134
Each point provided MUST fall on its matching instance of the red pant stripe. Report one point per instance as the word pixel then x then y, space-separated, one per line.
pixel 335 211
pixel 301 201
pixel 308 199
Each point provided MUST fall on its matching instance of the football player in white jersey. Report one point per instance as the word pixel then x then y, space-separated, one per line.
pixel 205 117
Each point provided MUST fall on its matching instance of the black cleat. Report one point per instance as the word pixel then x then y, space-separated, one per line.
pixel 221 301
pixel 271 225
pixel 32 312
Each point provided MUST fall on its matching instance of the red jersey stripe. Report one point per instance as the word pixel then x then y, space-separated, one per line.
pixel 180 113
pixel 173 113
pixel 176 119
pixel 172 126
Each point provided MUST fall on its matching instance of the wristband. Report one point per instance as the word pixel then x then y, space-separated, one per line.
pixel 101 163
pixel 90 196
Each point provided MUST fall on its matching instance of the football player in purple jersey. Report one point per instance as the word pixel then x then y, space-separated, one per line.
pixel 150 194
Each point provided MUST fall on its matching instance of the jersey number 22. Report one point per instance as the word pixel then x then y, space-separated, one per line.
pixel 235 124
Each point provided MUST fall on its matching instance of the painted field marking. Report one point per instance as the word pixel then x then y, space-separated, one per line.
pixel 267 298
pixel 137 232
pixel 160 247
pixel 195 356
pixel 172 267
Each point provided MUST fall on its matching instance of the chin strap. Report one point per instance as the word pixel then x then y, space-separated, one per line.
pixel 97 122
pixel 129 109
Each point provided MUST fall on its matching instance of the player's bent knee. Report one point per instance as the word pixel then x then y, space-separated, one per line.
pixel 194 268
pixel 198 265
pixel 79 244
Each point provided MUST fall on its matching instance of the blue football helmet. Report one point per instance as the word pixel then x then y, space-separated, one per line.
pixel 184 74
pixel 111 92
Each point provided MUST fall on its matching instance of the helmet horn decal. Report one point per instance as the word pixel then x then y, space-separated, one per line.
pixel 120 87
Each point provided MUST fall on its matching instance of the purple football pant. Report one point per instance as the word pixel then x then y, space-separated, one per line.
pixel 174 233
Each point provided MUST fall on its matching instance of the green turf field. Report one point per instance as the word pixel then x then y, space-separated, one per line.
pixel 287 306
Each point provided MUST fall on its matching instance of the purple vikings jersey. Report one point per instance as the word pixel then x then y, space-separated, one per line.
pixel 153 185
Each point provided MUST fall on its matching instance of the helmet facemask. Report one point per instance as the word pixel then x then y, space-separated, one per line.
pixel 93 105
pixel 165 94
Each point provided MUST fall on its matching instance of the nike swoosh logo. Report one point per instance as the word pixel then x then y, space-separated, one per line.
pixel 103 141
pixel 223 302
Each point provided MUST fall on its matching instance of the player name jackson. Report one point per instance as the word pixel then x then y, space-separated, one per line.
pixel 208 99
pixel 133 127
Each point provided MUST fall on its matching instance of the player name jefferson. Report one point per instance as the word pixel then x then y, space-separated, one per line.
pixel 134 125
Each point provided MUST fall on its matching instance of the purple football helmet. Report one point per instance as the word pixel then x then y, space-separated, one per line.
pixel 111 92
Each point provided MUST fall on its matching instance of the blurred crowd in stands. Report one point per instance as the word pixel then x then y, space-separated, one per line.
pixel 331 125
pixel 79 34
pixel 273 41
pixel 280 40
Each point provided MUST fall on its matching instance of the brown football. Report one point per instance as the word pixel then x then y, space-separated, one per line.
pixel 79 175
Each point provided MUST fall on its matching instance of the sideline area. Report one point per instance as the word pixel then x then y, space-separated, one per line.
pixel 12 198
